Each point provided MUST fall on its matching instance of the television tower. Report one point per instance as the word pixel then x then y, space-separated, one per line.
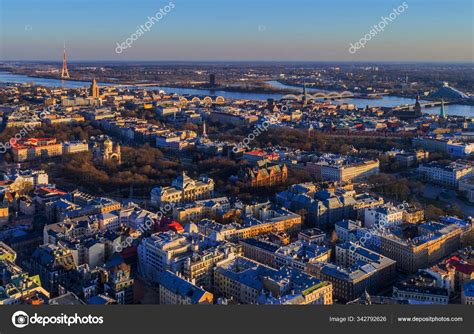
pixel 64 71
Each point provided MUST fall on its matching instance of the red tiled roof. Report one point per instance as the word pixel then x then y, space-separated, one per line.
pixel 46 191
pixel 257 153
pixel 175 226
pixel 463 267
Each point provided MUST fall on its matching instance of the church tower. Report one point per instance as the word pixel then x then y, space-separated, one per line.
pixel 442 113
pixel 417 105
pixel 305 95
pixel 204 130
pixel 94 89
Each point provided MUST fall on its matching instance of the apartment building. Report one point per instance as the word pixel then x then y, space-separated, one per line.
pixel 176 290
pixel 416 253
pixel 356 270
pixel 249 282
pixel 330 167
pixel 36 149
pixel 383 216
pixel 446 175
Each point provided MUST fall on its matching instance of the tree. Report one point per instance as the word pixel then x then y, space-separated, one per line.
pixel 433 213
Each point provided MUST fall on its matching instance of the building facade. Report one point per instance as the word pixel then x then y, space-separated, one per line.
pixel 249 282
pixel 183 190
pixel 36 149
pixel 448 176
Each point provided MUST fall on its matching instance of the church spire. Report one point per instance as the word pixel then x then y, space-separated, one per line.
pixel 94 89
pixel 417 104
pixel 204 130
pixel 442 113
pixel 305 95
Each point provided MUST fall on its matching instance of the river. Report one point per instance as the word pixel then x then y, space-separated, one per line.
pixel 385 101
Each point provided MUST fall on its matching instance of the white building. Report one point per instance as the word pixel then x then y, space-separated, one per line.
pixel 35 177
pixel 75 147
pixel 346 229
pixel 183 190
pixel 467 188
pixel 108 221
pixel 448 176
pixel 460 149
pixel 383 216
pixel 167 111
pixel 135 217
pixel 161 252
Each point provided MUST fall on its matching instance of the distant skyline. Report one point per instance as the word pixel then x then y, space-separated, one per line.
pixel 231 30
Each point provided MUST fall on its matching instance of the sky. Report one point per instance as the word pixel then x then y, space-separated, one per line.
pixel 237 30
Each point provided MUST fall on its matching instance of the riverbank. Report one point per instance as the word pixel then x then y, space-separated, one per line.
pixel 238 89
pixel 386 101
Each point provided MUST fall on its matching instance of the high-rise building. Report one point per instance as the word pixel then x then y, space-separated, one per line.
pixel 212 80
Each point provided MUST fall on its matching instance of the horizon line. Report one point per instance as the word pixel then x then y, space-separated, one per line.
pixel 247 61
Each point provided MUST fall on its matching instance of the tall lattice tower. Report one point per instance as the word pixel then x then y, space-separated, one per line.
pixel 64 71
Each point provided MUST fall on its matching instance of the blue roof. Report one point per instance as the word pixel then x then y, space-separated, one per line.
pixel 268 246
pixel 362 251
pixel 181 286
pixel 98 300
pixel 433 227
pixel 454 220
pixel 468 288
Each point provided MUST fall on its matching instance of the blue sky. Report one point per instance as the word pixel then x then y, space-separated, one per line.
pixel 428 30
